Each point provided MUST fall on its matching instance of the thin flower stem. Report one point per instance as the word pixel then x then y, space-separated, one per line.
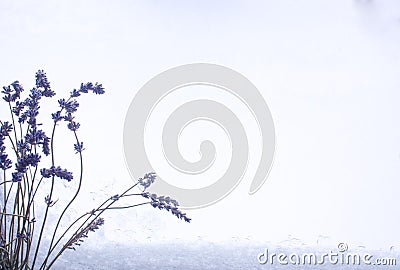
pixel 32 231
pixel 51 193
pixel 5 209
pixel 96 216
pixel 50 196
pixel 5 202
pixel 36 189
pixel 133 194
pixel 71 225
pixel 25 214
pixel 83 223
pixel 8 214
pixel 111 203
pixel 4 183
pixel 20 129
pixel 70 202
pixel 11 233
pixel 29 203
pixel 13 121
pixel 16 246
pixel 124 207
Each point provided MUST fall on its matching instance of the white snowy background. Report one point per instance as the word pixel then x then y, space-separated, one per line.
pixel 328 70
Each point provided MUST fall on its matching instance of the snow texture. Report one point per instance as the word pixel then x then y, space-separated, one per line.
pixel 194 256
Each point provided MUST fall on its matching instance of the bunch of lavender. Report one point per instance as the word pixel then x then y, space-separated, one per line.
pixel 23 146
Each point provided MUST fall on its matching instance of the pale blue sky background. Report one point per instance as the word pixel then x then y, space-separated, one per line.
pixel 329 71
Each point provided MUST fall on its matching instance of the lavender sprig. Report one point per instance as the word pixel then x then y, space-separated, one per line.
pixel 147 180
pixel 78 238
pixel 167 203
pixel 160 202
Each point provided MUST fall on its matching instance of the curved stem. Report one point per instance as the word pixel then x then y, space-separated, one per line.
pixel 69 204
pixel 96 216
pixel 51 194
pixel 124 207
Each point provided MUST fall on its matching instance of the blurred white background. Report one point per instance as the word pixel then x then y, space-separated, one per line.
pixel 328 70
